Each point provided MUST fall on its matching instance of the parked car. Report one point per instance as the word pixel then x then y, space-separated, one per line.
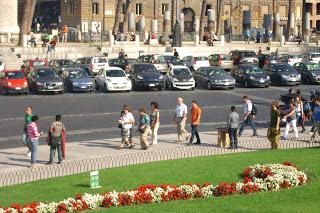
pixel 121 62
pixel 282 74
pixel 311 57
pixel 13 81
pixel 28 65
pixel 112 79
pixel 1 64
pixel 144 75
pixel 179 77
pixel 159 61
pixel 195 62
pixel 44 79
pixel 61 64
pixel 245 56
pixel 250 75
pixel 92 64
pixel 214 78
pixel 291 58
pixel 310 72
pixel 222 60
pixel 77 79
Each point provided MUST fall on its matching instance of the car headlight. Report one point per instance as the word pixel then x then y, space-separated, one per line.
pixel 161 77
pixel 140 77
pixel 268 77
pixel 9 84
pixel 284 76
pixel 75 83
pixel 299 76
pixel 39 84
pixel 59 83
pixel 25 83
pixel 174 79
pixel 251 77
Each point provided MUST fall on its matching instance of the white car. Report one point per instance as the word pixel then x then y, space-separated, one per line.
pixel 1 64
pixel 195 62
pixel 112 79
pixel 179 77
pixel 292 59
pixel 311 57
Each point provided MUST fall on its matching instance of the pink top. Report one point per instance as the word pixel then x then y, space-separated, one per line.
pixel 32 131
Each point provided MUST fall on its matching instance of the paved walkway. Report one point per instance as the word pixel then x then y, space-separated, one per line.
pixel 100 154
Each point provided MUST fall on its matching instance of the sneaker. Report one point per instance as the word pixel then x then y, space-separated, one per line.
pixel 198 142
pixel 49 163
pixel 310 133
pixel 29 154
pixel 60 162
pixel 131 146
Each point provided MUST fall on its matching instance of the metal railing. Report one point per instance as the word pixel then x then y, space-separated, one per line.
pixel 138 157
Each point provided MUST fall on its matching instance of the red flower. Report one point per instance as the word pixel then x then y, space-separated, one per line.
pixel 224 189
pixel 301 179
pixel 62 208
pixel 78 197
pixel 285 184
pixel 287 163
pixel 246 172
pixel 249 188
pixel 246 180
pixel 107 202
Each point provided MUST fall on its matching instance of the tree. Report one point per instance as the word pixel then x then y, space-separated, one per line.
pixel 203 13
pixel 117 17
pixel 291 10
pixel 219 16
pixel 26 21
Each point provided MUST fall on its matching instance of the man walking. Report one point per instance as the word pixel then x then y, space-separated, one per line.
pixel 65 33
pixel 56 129
pixel 195 115
pixel 232 126
pixel 27 120
pixel 316 119
pixel 248 117
pixel 180 118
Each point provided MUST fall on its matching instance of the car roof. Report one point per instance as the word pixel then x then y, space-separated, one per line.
pixel 11 71
pixel 112 68
pixel 179 66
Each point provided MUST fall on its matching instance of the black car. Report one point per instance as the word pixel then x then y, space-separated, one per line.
pixel 121 62
pixel 145 76
pixel 44 79
pixel 310 72
pixel 214 77
pixel 77 80
pixel 250 76
pixel 282 74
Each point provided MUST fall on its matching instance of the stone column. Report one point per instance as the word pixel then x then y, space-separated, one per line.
pixel 111 39
pixel 154 25
pixel 308 27
pixel 276 27
pixel 197 28
pixel 142 24
pixel 181 21
pixel 166 22
pixel 131 22
pixel 292 24
pixel 211 20
pixel 9 18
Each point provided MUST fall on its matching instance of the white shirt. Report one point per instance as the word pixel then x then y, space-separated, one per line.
pixel 247 107
pixel 181 110
pixel 127 118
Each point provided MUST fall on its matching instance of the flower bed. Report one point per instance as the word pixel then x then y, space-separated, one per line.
pixel 257 178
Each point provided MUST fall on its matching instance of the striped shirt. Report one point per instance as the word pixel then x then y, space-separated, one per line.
pixel 32 131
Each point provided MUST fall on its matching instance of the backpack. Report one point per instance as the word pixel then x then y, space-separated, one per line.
pixel 254 110
pixel 306 108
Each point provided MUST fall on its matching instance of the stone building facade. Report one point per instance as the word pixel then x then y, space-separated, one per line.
pixel 99 15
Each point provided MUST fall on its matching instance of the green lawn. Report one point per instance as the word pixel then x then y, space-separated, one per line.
pixel 213 169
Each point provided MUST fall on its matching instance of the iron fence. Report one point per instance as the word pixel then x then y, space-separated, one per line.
pixel 138 157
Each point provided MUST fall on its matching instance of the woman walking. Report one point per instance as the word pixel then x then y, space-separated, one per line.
pixel 291 121
pixel 155 122
pixel 300 113
pixel 126 123
pixel 274 127
pixel 33 137
pixel 144 128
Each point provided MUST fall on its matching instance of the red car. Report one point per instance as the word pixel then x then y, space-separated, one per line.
pixel 13 81
pixel 29 64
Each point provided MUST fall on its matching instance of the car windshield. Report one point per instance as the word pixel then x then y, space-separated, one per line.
pixel 140 68
pixel 100 60
pixel 45 74
pixel 215 71
pixel 225 57
pixel 252 70
pixel 315 55
pixel 115 73
pixel 66 63
pixel 313 67
pixel 165 59
pixel 181 71
pixel 14 75
pixel 283 68
pixel 38 63
pixel 297 56
pixel 201 58
pixel 248 54
pixel 78 74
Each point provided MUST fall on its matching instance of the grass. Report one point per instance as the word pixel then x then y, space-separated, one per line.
pixel 214 169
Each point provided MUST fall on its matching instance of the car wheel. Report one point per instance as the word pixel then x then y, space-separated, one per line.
pixel 209 86
pixel 308 81
pixel 61 92
pixel 246 84
pixel 96 85
pixel 161 88
pixel 105 89
pixel 192 88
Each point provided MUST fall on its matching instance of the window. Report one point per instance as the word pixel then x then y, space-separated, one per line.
pixel 123 9
pixel 138 9
pixel 165 7
pixel 71 8
pixel 209 7
pixel 95 8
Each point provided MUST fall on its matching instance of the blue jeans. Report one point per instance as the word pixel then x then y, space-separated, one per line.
pixel 233 137
pixel 53 152
pixel 248 122
pixel 194 132
pixel 34 143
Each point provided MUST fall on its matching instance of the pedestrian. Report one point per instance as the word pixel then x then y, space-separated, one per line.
pixel 300 113
pixel 126 123
pixel 175 53
pixel 27 119
pixel 249 113
pixel 155 122
pixel 121 54
pixel 31 39
pixel 232 127
pixel 33 137
pixel 38 27
pixel 316 118
pixel 65 33
pixel 195 116
pixel 55 133
pixel 247 35
pixel 273 133
pixel 291 121
pixel 180 118
pixel 260 51
pixel 144 128
pixel 258 37
pixel 52 45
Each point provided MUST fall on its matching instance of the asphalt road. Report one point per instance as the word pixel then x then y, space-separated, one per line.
pixel 94 115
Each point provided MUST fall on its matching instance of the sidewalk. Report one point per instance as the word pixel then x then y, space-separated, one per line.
pixel 100 154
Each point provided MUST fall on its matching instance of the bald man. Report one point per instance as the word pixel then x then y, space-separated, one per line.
pixel 180 118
